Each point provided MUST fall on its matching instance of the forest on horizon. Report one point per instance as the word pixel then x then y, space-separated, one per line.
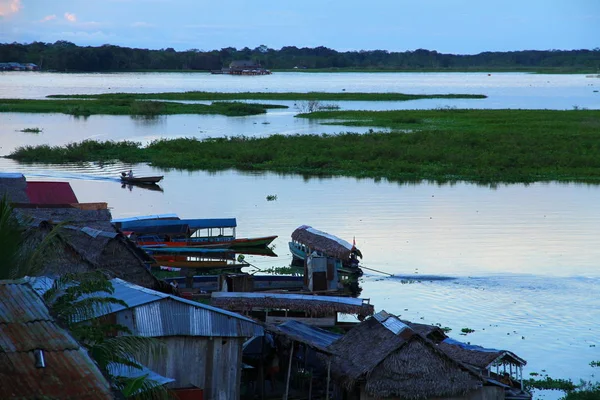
pixel 66 56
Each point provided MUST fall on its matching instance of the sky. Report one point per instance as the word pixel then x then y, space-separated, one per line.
pixel 447 26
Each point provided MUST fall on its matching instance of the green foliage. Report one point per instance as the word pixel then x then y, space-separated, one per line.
pixel 467 330
pixel 271 197
pixel 549 383
pixel 147 108
pixel 31 130
pixel 75 300
pixel 129 106
pixel 66 56
pixel 20 256
pixel 484 146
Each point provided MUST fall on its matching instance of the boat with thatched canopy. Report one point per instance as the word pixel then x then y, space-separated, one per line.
pixel 307 241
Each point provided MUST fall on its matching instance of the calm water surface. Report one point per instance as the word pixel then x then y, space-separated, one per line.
pixel 517 263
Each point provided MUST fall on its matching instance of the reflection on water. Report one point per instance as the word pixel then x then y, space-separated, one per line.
pixel 146 186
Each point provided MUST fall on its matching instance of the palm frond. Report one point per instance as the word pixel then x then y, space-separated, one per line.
pixel 142 388
pixel 11 242
pixel 121 348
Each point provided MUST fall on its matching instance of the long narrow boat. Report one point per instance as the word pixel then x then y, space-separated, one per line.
pixel 189 243
pixel 141 179
pixel 215 232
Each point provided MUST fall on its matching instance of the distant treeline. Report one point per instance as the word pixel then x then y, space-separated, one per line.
pixel 66 56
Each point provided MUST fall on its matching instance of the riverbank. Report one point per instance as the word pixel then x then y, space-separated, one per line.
pixel 321 96
pixel 130 106
pixel 439 145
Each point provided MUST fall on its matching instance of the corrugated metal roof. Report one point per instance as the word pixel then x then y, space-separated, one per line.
pixel 172 317
pixel 50 193
pixel 69 374
pixel 160 314
pixel 25 326
pixel 391 322
pixel 44 335
pixel 289 296
pixel 144 217
pixel 310 335
pixel 130 372
pixel 20 304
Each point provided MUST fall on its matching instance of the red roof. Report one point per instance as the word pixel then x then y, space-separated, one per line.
pixel 50 193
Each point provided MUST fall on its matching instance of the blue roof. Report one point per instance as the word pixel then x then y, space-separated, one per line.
pixel 193 224
pixel 146 217
pixel 126 371
pixel 467 346
pixel 310 335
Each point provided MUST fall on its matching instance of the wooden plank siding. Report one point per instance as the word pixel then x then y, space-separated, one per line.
pixel 212 364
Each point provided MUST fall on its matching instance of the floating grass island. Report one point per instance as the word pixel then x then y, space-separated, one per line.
pixel 440 145
pixel 80 107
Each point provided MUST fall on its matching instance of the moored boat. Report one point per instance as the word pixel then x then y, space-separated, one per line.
pixel 307 240
pixel 207 233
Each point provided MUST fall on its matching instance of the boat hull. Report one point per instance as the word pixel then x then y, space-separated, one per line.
pixel 242 243
pixel 141 179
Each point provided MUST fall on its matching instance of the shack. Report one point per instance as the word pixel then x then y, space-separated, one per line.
pixel 39 359
pixel 500 368
pixel 247 67
pixel 276 308
pixel 384 358
pixel 87 241
pixel 203 343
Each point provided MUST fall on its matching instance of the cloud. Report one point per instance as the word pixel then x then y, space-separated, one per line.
pixel 8 7
pixel 70 17
pixel 48 18
pixel 142 25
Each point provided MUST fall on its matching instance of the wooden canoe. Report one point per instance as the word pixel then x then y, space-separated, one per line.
pixel 141 179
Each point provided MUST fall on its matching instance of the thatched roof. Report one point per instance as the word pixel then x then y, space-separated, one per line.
pixel 14 186
pixel 431 332
pixel 392 360
pixel 315 305
pixel 478 356
pixel 88 241
pixel 324 242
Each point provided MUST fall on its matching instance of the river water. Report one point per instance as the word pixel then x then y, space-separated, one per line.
pixel 516 263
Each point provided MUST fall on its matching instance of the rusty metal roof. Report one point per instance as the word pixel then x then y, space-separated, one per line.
pixel 50 193
pixel 26 326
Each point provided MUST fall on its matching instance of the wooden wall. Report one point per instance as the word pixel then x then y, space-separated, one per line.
pixel 212 364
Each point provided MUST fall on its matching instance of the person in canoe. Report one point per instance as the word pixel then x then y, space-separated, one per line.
pixel 127 174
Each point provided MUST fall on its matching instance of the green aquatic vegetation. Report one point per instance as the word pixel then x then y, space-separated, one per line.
pixel 483 146
pixel 466 331
pixel 31 130
pixel 272 197
pixel 310 96
pixel 118 106
pixel 548 383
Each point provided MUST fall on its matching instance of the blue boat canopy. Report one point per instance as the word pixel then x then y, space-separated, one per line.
pixel 211 223
pixel 155 225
